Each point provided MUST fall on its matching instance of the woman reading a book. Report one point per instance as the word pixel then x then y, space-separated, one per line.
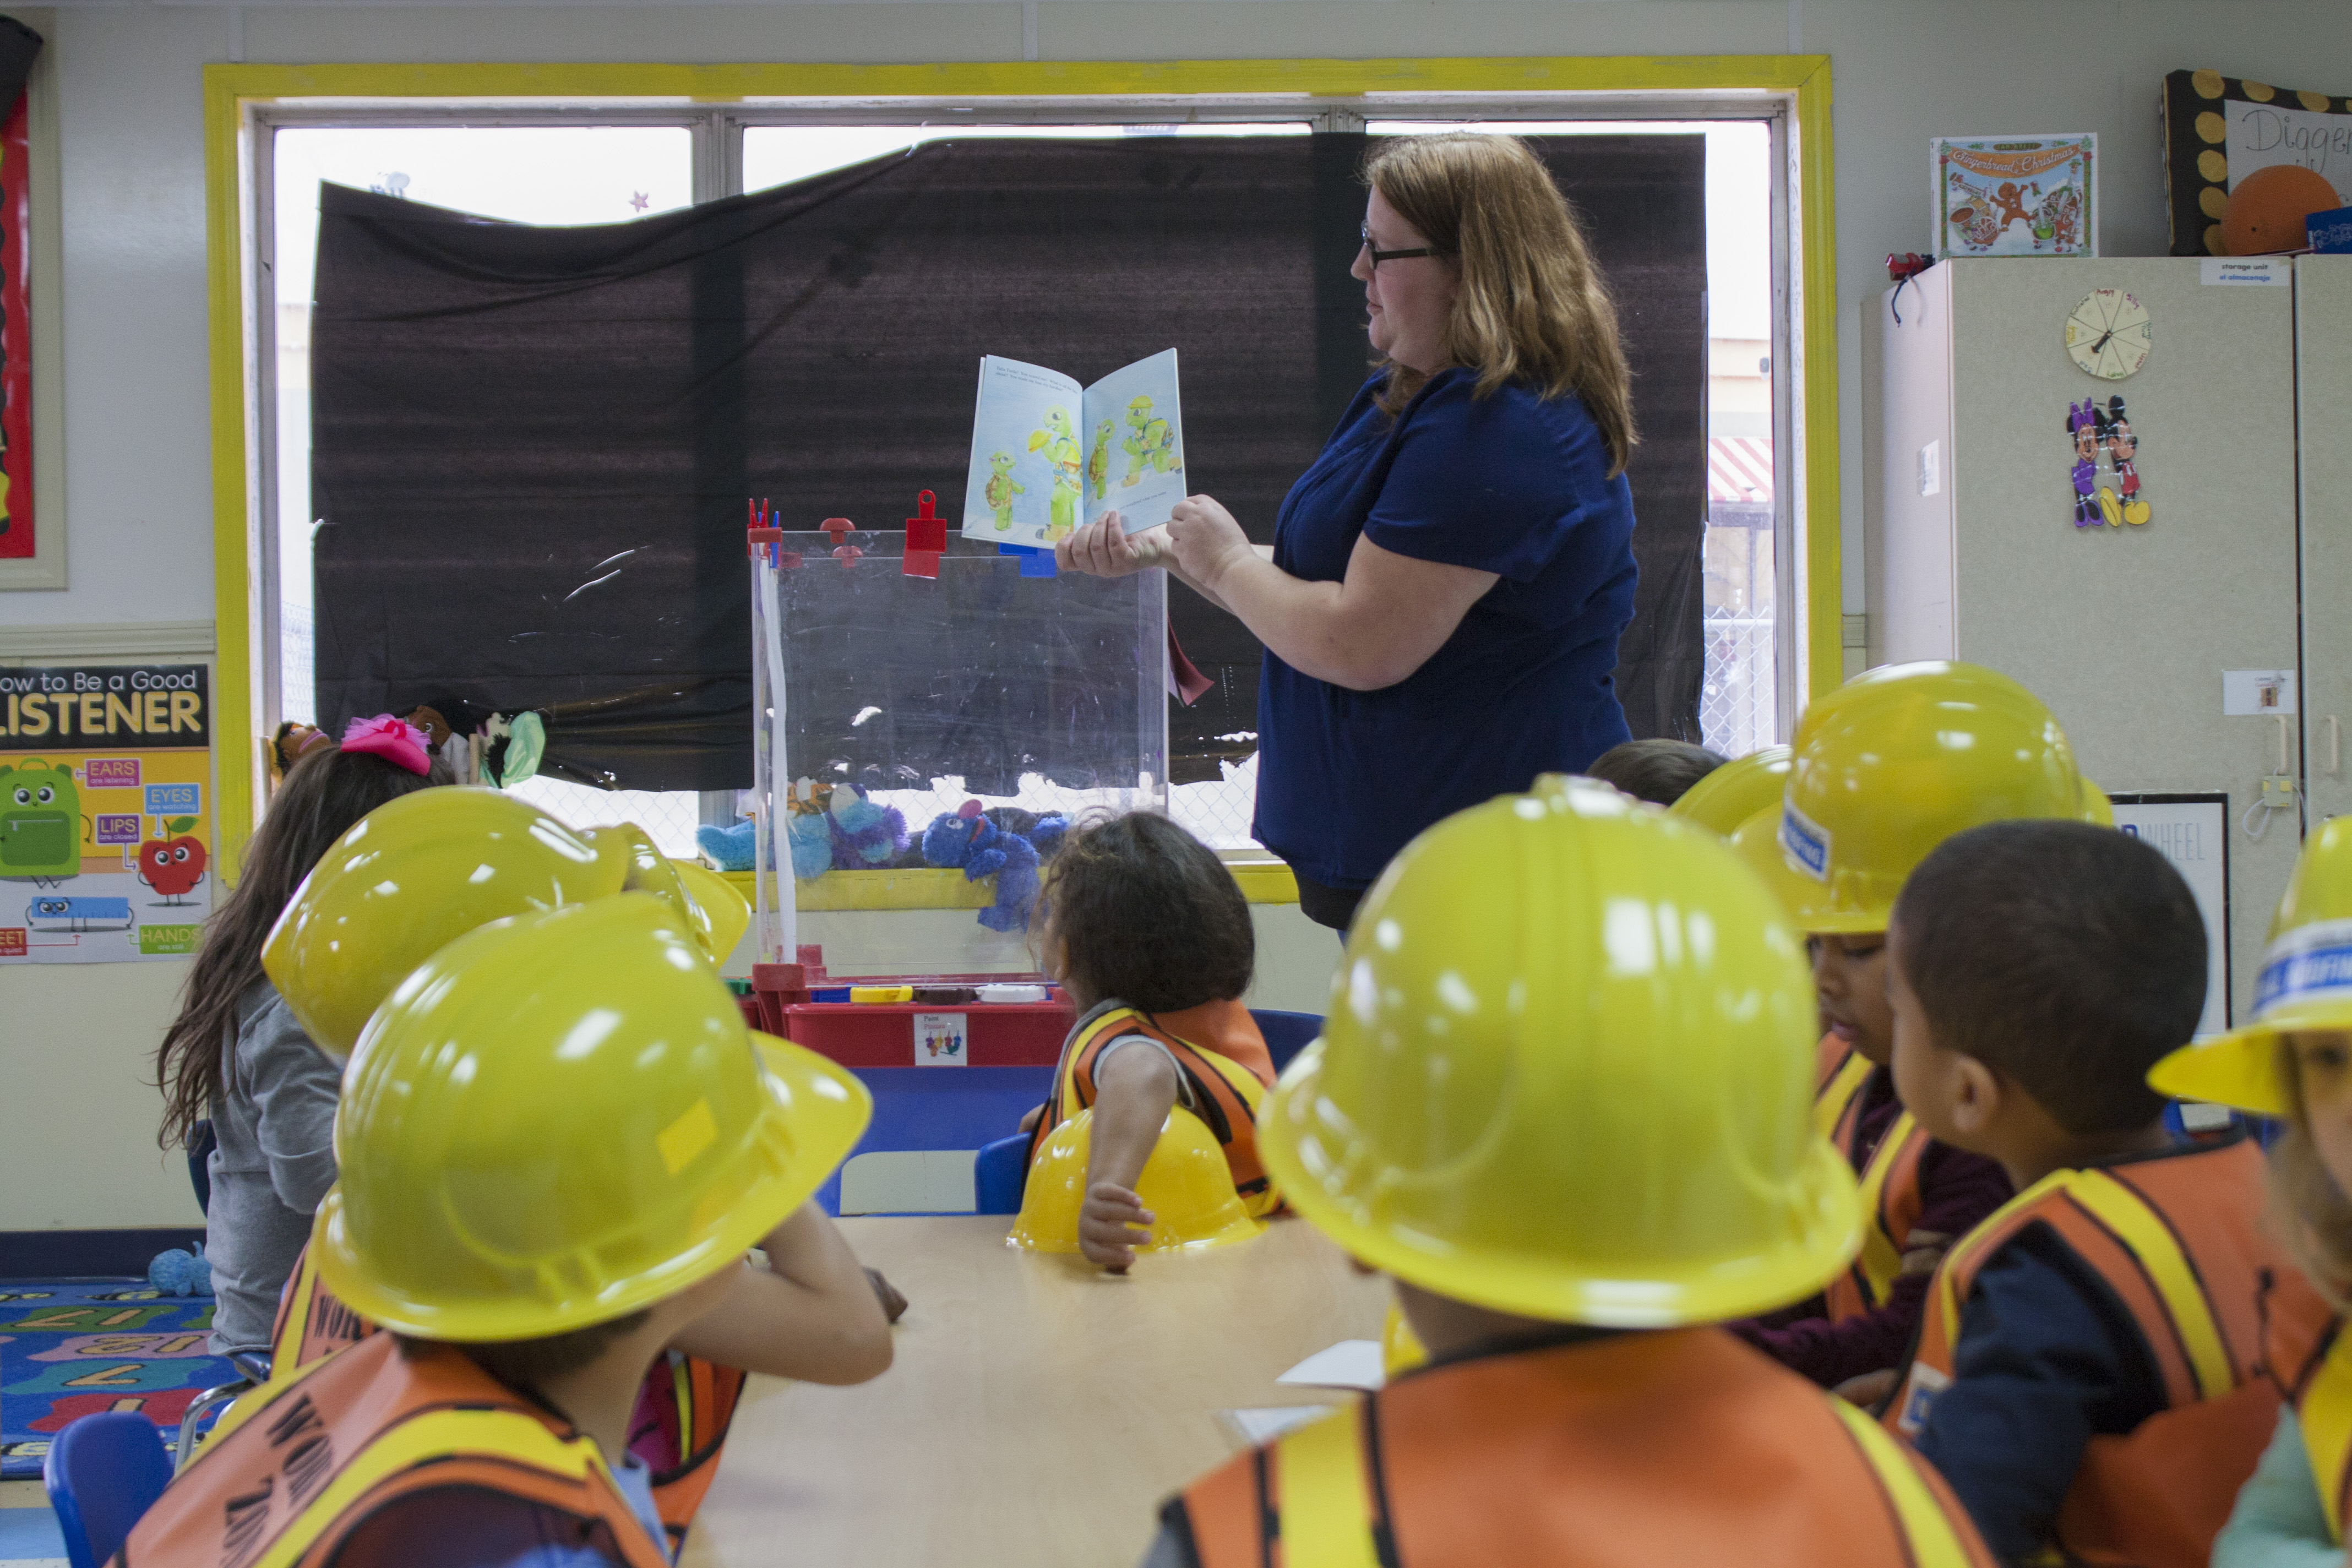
pixel 1441 602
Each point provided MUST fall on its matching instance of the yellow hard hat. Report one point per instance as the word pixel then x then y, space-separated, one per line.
pixel 559 1118
pixel 2305 983
pixel 1757 842
pixel 1737 791
pixel 421 872
pixel 721 914
pixel 1568 1074
pixel 1185 1184
pixel 1901 758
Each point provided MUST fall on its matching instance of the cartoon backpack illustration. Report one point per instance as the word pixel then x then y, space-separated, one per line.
pixel 2116 439
pixel 40 822
pixel 1098 461
pixel 1060 444
pixel 1150 443
pixel 1000 490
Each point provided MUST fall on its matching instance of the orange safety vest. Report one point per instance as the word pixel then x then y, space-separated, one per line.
pixel 1224 1062
pixel 1676 1446
pixel 2319 1385
pixel 682 1394
pixel 2178 1238
pixel 1890 1180
pixel 295 1483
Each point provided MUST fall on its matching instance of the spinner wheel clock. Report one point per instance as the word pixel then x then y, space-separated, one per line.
pixel 2108 334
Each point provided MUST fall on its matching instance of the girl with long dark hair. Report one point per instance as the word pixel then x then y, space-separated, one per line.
pixel 235 1054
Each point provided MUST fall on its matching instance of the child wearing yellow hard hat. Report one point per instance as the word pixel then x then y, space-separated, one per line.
pixel 2091 1374
pixel 1149 1139
pixel 557 1142
pixel 1881 771
pixel 416 875
pixel 2294 1062
pixel 238 1057
pixel 1560 1099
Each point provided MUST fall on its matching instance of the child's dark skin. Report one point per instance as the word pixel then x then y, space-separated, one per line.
pixel 1850 989
pixel 1134 1091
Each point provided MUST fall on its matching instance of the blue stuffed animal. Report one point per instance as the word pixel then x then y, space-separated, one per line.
pixel 732 847
pixel 729 848
pixel 178 1273
pixel 864 834
pixel 967 838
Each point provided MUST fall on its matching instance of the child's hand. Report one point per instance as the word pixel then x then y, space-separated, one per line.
pixel 1111 1224
pixel 1870 1389
pixel 1029 1123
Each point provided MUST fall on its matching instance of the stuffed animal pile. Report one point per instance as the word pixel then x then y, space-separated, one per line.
pixel 829 826
pixel 1010 849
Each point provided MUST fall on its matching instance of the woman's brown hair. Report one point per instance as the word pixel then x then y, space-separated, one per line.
pixel 1531 305
pixel 1136 909
pixel 325 792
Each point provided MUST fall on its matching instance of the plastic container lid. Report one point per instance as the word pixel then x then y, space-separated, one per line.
pixel 1012 993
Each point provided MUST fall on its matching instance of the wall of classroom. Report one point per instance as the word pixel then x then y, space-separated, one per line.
pixel 76 1119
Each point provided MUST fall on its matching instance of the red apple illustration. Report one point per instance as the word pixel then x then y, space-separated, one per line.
pixel 172 866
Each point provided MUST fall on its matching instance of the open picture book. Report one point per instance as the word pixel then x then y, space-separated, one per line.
pixel 1048 455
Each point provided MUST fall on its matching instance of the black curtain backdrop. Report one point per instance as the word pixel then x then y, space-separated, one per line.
pixel 531 447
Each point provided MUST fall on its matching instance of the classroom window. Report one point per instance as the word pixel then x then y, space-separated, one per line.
pixel 581 173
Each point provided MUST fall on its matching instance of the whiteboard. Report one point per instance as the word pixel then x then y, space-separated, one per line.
pixel 2193 832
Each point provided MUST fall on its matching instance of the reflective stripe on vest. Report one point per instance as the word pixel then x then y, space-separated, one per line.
pixel 1926 1526
pixel 2324 1410
pixel 1225 1092
pixel 1565 1454
pixel 1326 1507
pixel 1890 1180
pixel 313 1324
pixel 370 1424
pixel 2177 1239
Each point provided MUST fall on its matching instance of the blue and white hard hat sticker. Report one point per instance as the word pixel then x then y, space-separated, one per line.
pixel 2308 963
pixel 1804 843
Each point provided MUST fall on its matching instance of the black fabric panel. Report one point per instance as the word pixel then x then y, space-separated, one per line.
pixel 19 44
pixel 531 446
pixel 1643 200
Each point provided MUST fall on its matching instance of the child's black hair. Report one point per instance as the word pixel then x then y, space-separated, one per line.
pixel 1660 771
pixel 1136 907
pixel 2066 957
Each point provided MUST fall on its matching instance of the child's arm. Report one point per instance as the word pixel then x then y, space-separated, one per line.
pixel 1135 1086
pixel 2047 1360
pixel 811 1314
pixel 2279 1521
pixel 1956 1191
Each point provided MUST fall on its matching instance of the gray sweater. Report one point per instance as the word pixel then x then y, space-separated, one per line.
pixel 275 1117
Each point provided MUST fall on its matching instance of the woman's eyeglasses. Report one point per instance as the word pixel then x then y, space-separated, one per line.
pixel 1379 256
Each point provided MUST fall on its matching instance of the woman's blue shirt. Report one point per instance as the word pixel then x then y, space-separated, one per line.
pixel 1512 483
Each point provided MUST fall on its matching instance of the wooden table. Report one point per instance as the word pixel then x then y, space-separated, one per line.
pixel 1038 1411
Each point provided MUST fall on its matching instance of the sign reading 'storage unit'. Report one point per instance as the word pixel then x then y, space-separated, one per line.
pixel 106 842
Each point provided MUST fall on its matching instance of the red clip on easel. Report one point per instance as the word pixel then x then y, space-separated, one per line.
pixel 927 539
pixel 840 529
pixel 763 536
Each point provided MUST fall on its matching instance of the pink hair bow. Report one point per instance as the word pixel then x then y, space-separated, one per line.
pixel 396 740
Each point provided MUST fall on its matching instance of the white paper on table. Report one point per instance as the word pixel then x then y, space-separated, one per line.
pixel 1350 1363
pixel 1256 1426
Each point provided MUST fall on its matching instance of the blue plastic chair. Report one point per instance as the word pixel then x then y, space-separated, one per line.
pixel 103 1471
pixel 1286 1034
pixel 998 1172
